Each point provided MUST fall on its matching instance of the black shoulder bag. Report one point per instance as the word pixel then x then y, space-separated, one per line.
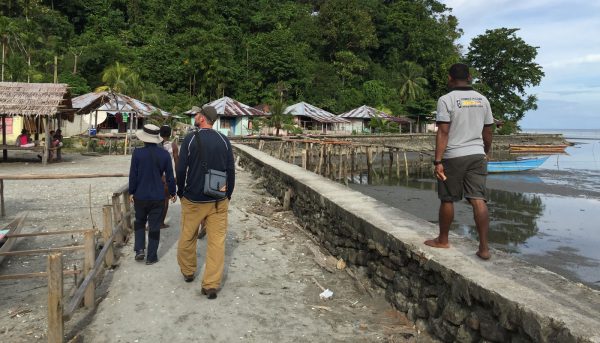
pixel 214 180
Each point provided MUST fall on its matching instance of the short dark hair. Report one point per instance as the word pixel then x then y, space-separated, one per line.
pixel 459 71
pixel 165 131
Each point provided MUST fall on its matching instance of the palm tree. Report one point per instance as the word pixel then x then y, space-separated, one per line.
pixel 412 82
pixel 118 78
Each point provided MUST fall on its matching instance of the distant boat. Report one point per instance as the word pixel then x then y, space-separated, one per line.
pixel 515 165
pixel 537 147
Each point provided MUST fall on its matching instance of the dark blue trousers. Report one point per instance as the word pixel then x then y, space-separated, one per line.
pixel 148 211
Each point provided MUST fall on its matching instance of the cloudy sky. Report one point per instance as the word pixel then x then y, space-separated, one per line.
pixel 567 33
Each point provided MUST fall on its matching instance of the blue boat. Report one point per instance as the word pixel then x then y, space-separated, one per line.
pixel 515 165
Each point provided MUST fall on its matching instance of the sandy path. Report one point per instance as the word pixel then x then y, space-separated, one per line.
pixel 268 294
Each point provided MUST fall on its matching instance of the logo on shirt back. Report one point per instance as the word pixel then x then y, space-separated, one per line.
pixel 469 102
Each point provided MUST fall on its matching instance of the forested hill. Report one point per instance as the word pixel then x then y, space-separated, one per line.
pixel 336 54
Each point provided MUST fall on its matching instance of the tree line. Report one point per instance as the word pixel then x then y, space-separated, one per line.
pixel 335 54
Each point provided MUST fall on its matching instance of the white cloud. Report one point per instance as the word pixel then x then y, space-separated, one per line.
pixel 590 58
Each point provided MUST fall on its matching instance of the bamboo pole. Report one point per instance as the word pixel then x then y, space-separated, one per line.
pixel 88 264
pixel 55 294
pixel 107 233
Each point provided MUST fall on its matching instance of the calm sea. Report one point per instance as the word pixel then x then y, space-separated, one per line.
pixel 548 216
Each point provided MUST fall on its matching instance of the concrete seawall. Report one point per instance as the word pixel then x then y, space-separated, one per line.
pixel 448 292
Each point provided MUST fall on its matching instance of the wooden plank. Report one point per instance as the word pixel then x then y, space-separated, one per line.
pixel 65 232
pixel 118 218
pixel 88 263
pixel 55 293
pixel 41 251
pixel 59 176
pixel 126 216
pixel 79 293
pixel 35 275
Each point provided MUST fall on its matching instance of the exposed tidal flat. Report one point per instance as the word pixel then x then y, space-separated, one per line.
pixel 548 216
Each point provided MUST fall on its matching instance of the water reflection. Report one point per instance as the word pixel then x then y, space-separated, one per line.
pixel 556 232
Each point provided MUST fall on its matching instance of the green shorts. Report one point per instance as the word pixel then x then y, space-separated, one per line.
pixel 466 177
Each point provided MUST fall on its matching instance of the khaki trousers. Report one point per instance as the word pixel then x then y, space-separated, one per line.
pixel 192 214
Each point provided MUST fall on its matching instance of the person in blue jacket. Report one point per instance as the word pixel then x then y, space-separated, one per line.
pixel 146 189
pixel 202 150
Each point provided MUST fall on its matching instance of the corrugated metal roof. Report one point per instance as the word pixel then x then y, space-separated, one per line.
pixel 113 103
pixel 308 110
pixel 363 112
pixel 32 99
pixel 228 107
pixel 367 112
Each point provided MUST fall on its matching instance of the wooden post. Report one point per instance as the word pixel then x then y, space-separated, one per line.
pixel 2 198
pixel 287 199
pixel 126 217
pixel 118 220
pixel 280 150
pixel 107 233
pixel 48 141
pixel 352 160
pixel 382 162
pixel 391 154
pixel 88 263
pixel 406 165
pixel 398 163
pixel 320 165
pixel 307 147
pixel 261 144
pixel 304 159
pixel 341 160
pixel 369 163
pixel 55 294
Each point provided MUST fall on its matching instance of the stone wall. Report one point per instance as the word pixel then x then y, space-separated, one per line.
pixel 448 292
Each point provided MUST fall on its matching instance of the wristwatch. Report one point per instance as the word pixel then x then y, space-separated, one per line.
pixel 435 163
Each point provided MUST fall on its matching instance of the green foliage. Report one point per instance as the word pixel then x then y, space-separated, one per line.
pixel 506 67
pixel 335 54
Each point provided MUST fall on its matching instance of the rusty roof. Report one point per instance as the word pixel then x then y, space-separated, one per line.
pixel 113 103
pixel 367 112
pixel 228 107
pixel 307 110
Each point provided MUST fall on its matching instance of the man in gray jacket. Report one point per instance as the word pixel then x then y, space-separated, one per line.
pixel 202 150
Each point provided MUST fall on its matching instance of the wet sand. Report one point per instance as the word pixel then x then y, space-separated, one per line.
pixel 517 205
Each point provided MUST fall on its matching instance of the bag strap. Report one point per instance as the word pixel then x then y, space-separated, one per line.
pixel 200 153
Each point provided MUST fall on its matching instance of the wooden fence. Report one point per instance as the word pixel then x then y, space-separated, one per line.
pixel 116 229
pixel 341 160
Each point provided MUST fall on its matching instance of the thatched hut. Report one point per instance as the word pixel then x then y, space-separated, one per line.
pixel 37 104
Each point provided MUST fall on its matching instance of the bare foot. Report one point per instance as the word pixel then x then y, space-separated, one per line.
pixel 436 243
pixel 483 255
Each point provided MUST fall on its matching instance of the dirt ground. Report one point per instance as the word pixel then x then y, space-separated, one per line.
pixel 269 293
